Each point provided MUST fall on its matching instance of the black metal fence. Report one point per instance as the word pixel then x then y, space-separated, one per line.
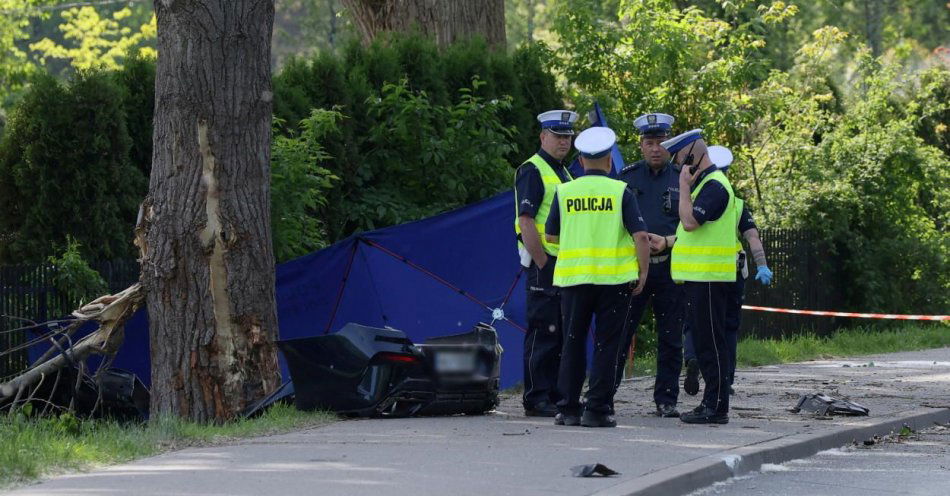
pixel 28 294
pixel 805 278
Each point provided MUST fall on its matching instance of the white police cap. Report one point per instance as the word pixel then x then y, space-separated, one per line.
pixel 678 142
pixel 595 142
pixel 720 155
pixel 558 121
pixel 654 124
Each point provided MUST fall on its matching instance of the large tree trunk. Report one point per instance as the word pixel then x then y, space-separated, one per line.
pixel 204 233
pixel 444 20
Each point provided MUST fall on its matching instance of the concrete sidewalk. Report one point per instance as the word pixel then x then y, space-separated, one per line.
pixel 506 453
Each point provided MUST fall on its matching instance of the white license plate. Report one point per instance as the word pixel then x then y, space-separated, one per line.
pixel 453 361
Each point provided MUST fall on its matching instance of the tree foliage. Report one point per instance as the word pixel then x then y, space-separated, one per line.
pixel 73 275
pixel 848 145
pixel 445 156
pixel 859 172
pixel 58 36
pixel 649 56
pixel 299 185
pixel 15 69
pixel 97 41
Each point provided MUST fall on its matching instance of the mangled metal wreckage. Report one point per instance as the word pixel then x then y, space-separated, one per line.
pixel 379 372
pixel 358 371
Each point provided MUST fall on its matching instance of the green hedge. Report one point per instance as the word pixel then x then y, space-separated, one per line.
pixel 66 169
pixel 376 154
pixel 419 131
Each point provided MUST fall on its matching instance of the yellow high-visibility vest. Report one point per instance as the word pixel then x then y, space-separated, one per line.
pixel 550 179
pixel 707 254
pixel 595 246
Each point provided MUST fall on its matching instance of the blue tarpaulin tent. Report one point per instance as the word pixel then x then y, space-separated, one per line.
pixel 432 277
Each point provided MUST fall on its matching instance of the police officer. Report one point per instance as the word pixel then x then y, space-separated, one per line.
pixel 746 229
pixel 535 182
pixel 704 258
pixel 593 219
pixel 655 183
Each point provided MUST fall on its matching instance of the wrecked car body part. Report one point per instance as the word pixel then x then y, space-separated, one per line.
pixel 822 404
pixel 593 469
pixel 467 369
pixel 118 394
pixel 378 372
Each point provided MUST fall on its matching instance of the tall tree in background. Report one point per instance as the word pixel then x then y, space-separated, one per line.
pixel 204 232
pixel 874 25
pixel 444 20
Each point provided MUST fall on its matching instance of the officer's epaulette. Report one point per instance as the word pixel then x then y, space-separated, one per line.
pixel 631 167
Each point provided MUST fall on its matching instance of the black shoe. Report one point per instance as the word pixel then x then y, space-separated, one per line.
pixel 543 409
pixel 667 411
pixel 594 419
pixel 705 416
pixel 691 383
pixel 569 420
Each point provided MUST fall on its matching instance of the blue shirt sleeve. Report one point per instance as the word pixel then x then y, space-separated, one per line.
pixel 711 202
pixel 552 226
pixel 632 220
pixel 529 190
pixel 746 221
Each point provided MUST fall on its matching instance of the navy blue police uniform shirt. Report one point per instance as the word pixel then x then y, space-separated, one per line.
pixel 746 221
pixel 529 189
pixel 657 194
pixel 711 202
pixel 632 220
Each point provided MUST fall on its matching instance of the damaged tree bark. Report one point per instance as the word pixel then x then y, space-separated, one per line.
pixel 204 229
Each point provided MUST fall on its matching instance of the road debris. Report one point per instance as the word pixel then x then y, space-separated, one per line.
pixel 823 405
pixel 592 470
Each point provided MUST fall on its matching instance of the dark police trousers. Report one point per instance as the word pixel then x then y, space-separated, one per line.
pixel 542 342
pixel 608 305
pixel 669 305
pixel 708 303
pixel 735 299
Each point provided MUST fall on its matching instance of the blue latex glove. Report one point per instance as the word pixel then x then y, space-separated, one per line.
pixel 763 275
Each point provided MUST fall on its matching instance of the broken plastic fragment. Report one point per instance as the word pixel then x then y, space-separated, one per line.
pixel 592 470
pixel 822 404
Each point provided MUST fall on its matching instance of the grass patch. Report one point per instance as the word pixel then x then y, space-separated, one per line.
pixel 33 447
pixel 857 341
pixel 844 343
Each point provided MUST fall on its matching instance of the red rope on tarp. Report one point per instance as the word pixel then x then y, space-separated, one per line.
pixel 339 296
pixel 513 284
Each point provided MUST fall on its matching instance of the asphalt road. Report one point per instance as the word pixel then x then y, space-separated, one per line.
pixel 505 453
pixel 918 464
